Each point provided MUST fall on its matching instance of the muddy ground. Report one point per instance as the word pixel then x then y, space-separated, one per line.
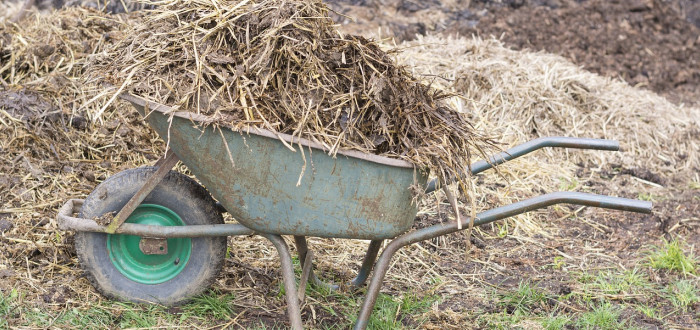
pixel 650 44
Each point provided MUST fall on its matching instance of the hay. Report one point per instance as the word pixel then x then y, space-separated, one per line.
pixel 9 9
pixel 52 151
pixel 282 65
pixel 523 95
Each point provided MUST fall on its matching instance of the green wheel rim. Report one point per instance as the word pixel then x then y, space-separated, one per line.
pixel 126 256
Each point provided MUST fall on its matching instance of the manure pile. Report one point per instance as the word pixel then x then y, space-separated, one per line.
pixel 48 53
pixel 53 151
pixel 282 65
pixel 524 95
pixel 8 9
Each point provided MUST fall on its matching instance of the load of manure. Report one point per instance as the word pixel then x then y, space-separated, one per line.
pixel 282 65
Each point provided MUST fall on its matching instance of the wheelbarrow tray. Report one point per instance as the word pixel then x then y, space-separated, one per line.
pixel 269 188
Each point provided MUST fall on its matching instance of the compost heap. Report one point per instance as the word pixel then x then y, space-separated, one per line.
pixel 524 95
pixel 8 9
pixel 283 66
pixel 47 54
pixel 47 139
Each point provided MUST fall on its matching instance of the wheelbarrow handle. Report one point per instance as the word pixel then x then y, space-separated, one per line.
pixel 530 146
pixel 576 198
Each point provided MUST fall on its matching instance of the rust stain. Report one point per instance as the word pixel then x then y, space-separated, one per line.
pixel 371 207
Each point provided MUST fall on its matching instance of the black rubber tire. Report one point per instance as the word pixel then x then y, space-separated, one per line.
pixel 180 194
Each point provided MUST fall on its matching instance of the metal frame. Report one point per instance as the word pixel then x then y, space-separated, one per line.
pixel 533 145
pixel 483 218
pixel 164 165
pixel 66 221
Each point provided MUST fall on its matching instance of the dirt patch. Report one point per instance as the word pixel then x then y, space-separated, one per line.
pixel 24 104
pixel 654 44
pixel 646 43
pixel 579 253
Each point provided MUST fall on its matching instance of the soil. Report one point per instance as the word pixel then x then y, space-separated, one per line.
pixel 602 240
pixel 649 43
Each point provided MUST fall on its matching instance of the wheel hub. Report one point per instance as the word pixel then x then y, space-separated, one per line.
pixel 149 245
pixel 149 260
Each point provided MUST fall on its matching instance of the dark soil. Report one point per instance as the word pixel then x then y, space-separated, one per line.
pixel 649 43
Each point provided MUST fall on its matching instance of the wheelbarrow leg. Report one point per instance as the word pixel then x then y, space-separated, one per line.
pixel 302 250
pixel 375 283
pixel 293 308
pixel 367 263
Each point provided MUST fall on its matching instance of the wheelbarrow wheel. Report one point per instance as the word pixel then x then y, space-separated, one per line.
pixel 117 266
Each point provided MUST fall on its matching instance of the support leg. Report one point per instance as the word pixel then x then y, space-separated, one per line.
pixel 302 250
pixel 367 263
pixel 293 308
pixel 375 283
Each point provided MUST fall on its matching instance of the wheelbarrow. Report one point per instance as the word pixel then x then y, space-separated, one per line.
pixel 155 235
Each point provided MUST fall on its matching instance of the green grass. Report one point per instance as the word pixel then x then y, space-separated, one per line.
pixel 503 229
pixel 649 197
pixel 135 316
pixel 648 311
pixel 671 257
pixel 609 282
pixel 391 312
pixel 559 262
pixel 107 315
pixel 682 294
pixel 556 322
pixel 206 309
pixel 633 292
pixel 585 277
pixel 568 185
pixel 603 316
pixel 94 317
pixel 212 304
pixel 7 303
pixel 523 300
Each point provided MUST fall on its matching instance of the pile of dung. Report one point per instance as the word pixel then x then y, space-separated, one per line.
pixel 524 95
pixel 283 66
pixel 52 151
pixel 47 53
pixel 46 130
